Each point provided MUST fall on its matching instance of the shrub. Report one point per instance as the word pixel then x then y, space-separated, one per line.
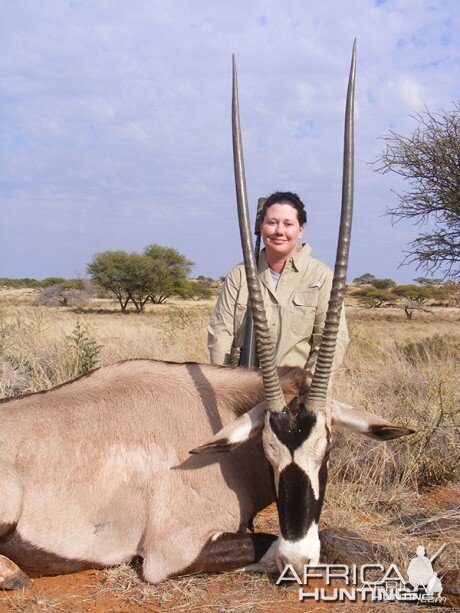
pixel 19 283
pixel 197 290
pixel 73 294
pixel 364 279
pixel 372 297
pixel 83 350
pixel 383 283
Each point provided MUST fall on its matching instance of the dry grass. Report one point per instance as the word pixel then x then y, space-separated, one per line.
pixel 35 352
pixel 405 370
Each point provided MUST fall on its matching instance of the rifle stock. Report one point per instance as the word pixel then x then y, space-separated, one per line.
pixel 248 355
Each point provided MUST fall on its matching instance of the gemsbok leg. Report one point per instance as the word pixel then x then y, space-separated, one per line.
pixel 11 495
pixel 224 551
pixel 228 551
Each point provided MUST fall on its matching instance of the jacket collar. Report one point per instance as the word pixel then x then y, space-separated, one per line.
pixel 296 262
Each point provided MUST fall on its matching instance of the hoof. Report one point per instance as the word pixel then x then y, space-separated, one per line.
pixel 11 576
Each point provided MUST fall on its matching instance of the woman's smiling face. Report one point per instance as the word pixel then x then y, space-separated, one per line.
pixel 281 230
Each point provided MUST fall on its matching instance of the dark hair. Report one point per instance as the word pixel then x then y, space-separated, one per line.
pixel 285 198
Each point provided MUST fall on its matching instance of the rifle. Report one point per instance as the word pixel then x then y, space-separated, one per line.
pixel 248 355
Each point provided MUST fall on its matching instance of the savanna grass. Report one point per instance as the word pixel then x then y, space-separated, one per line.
pixel 406 371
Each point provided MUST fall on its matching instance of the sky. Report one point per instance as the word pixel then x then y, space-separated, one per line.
pixel 115 123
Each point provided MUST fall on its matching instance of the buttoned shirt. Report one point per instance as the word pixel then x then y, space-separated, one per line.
pixel 296 311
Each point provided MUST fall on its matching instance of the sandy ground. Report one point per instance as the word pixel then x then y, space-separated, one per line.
pixel 121 589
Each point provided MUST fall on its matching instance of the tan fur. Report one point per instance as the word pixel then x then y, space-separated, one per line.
pixel 102 468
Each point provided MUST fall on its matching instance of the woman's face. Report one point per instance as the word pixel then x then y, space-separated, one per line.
pixel 281 230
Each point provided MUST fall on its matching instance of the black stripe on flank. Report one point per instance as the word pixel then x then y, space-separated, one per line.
pixel 291 430
pixel 6 529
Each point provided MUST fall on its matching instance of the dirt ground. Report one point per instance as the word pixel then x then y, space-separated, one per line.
pixel 121 589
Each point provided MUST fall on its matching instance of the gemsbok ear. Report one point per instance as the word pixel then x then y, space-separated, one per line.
pixel 362 422
pixel 236 433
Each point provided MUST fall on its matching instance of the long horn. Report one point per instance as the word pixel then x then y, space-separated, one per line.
pixel 265 346
pixel 248 352
pixel 318 389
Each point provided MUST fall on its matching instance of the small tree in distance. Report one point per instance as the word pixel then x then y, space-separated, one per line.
pixel 373 297
pixel 110 270
pixel 416 297
pixel 198 290
pixel 383 283
pixel 376 293
pixel 369 279
pixel 426 281
pixel 155 275
pixel 364 279
pixel 169 272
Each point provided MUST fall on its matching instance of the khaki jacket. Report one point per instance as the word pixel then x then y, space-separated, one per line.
pixel 296 311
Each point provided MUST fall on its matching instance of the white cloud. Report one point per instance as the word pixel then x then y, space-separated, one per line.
pixel 117 115
pixel 411 93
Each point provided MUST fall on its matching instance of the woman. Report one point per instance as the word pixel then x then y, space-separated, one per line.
pixel 295 288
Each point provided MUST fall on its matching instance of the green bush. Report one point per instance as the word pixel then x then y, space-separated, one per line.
pixel 83 350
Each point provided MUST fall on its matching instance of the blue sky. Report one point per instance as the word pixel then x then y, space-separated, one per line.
pixel 115 122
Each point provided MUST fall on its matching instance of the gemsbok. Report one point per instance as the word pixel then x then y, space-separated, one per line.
pixel 98 470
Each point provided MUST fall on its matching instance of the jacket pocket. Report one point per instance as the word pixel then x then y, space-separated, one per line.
pixel 304 305
pixel 241 308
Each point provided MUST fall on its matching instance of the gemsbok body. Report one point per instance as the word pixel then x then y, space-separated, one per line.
pixel 99 470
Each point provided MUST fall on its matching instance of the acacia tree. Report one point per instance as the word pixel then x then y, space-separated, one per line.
pixel 364 279
pixel 428 160
pixel 426 281
pixel 369 279
pixel 416 297
pixel 107 270
pixel 156 274
pixel 127 275
pixel 198 290
pixel 383 283
pixel 139 280
pixel 169 271
pixel 373 297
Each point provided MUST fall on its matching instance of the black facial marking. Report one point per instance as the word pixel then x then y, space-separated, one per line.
pixel 322 476
pixel 297 505
pixel 322 479
pixel 290 430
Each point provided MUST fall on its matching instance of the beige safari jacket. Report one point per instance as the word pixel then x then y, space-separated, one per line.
pixel 296 311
